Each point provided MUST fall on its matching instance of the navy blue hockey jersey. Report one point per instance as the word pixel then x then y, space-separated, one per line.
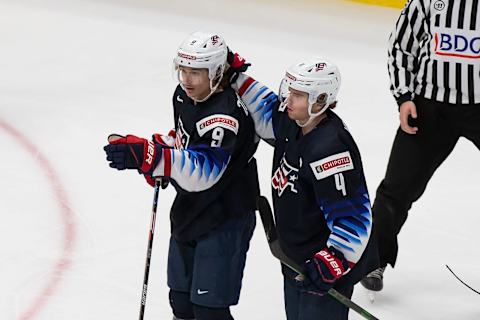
pixel 319 190
pixel 212 165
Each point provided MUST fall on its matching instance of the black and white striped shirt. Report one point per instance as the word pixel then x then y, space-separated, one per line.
pixel 434 52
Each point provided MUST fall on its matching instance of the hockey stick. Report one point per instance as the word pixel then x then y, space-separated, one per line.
pixel 163 183
pixel 466 285
pixel 149 250
pixel 270 231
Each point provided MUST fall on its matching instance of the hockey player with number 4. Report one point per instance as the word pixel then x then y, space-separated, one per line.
pixel 209 160
pixel 321 203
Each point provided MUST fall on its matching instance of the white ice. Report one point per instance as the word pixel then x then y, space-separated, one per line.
pixel 73 71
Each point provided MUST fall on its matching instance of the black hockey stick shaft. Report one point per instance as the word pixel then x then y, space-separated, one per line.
pixel 463 282
pixel 149 250
pixel 266 216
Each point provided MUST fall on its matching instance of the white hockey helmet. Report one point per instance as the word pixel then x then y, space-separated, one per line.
pixel 318 77
pixel 203 50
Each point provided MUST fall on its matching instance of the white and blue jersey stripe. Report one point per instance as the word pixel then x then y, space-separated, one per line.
pixel 194 169
pixel 260 102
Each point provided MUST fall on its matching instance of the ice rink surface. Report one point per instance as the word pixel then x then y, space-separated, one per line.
pixel 73 232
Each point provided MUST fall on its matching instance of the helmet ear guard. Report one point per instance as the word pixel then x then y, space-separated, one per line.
pixel 322 98
pixel 218 74
pixel 320 101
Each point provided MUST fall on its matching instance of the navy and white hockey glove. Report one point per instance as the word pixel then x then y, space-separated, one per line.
pixel 237 65
pixel 324 269
pixel 132 152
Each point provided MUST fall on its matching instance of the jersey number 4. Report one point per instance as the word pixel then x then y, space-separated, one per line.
pixel 340 183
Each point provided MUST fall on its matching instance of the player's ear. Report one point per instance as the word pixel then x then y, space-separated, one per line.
pixel 317 106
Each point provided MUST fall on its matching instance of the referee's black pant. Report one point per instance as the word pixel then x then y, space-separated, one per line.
pixel 413 160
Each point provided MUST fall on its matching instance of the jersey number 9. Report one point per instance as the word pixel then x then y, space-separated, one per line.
pixel 217 137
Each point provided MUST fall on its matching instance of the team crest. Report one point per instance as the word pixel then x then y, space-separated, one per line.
pixel 215 39
pixel 320 66
pixel 182 137
pixel 285 176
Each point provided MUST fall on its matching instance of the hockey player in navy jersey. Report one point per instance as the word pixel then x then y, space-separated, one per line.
pixel 321 202
pixel 209 160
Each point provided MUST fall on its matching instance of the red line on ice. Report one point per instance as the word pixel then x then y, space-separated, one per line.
pixel 69 227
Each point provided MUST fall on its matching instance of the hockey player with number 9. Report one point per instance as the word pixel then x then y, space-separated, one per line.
pixel 209 160
pixel 321 203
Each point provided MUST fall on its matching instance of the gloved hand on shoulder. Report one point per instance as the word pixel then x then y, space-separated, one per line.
pixel 237 65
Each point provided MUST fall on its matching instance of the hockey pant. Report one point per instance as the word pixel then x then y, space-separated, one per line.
pixel 413 161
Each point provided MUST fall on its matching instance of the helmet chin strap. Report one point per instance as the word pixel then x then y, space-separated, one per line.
pixel 213 88
pixel 312 115
pixel 306 122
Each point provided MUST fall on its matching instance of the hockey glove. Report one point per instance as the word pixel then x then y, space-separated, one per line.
pixel 325 268
pixel 132 152
pixel 237 65
pixel 166 141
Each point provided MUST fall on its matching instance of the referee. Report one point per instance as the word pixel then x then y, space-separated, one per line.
pixel 434 68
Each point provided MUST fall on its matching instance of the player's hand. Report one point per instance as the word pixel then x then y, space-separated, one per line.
pixel 237 65
pixel 132 152
pixel 325 268
pixel 408 109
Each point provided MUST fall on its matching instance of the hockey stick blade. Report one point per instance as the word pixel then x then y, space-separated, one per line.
pixel 463 282
pixel 266 216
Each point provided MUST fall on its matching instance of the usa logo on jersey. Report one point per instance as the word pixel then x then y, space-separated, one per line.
pixel 182 137
pixel 285 177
